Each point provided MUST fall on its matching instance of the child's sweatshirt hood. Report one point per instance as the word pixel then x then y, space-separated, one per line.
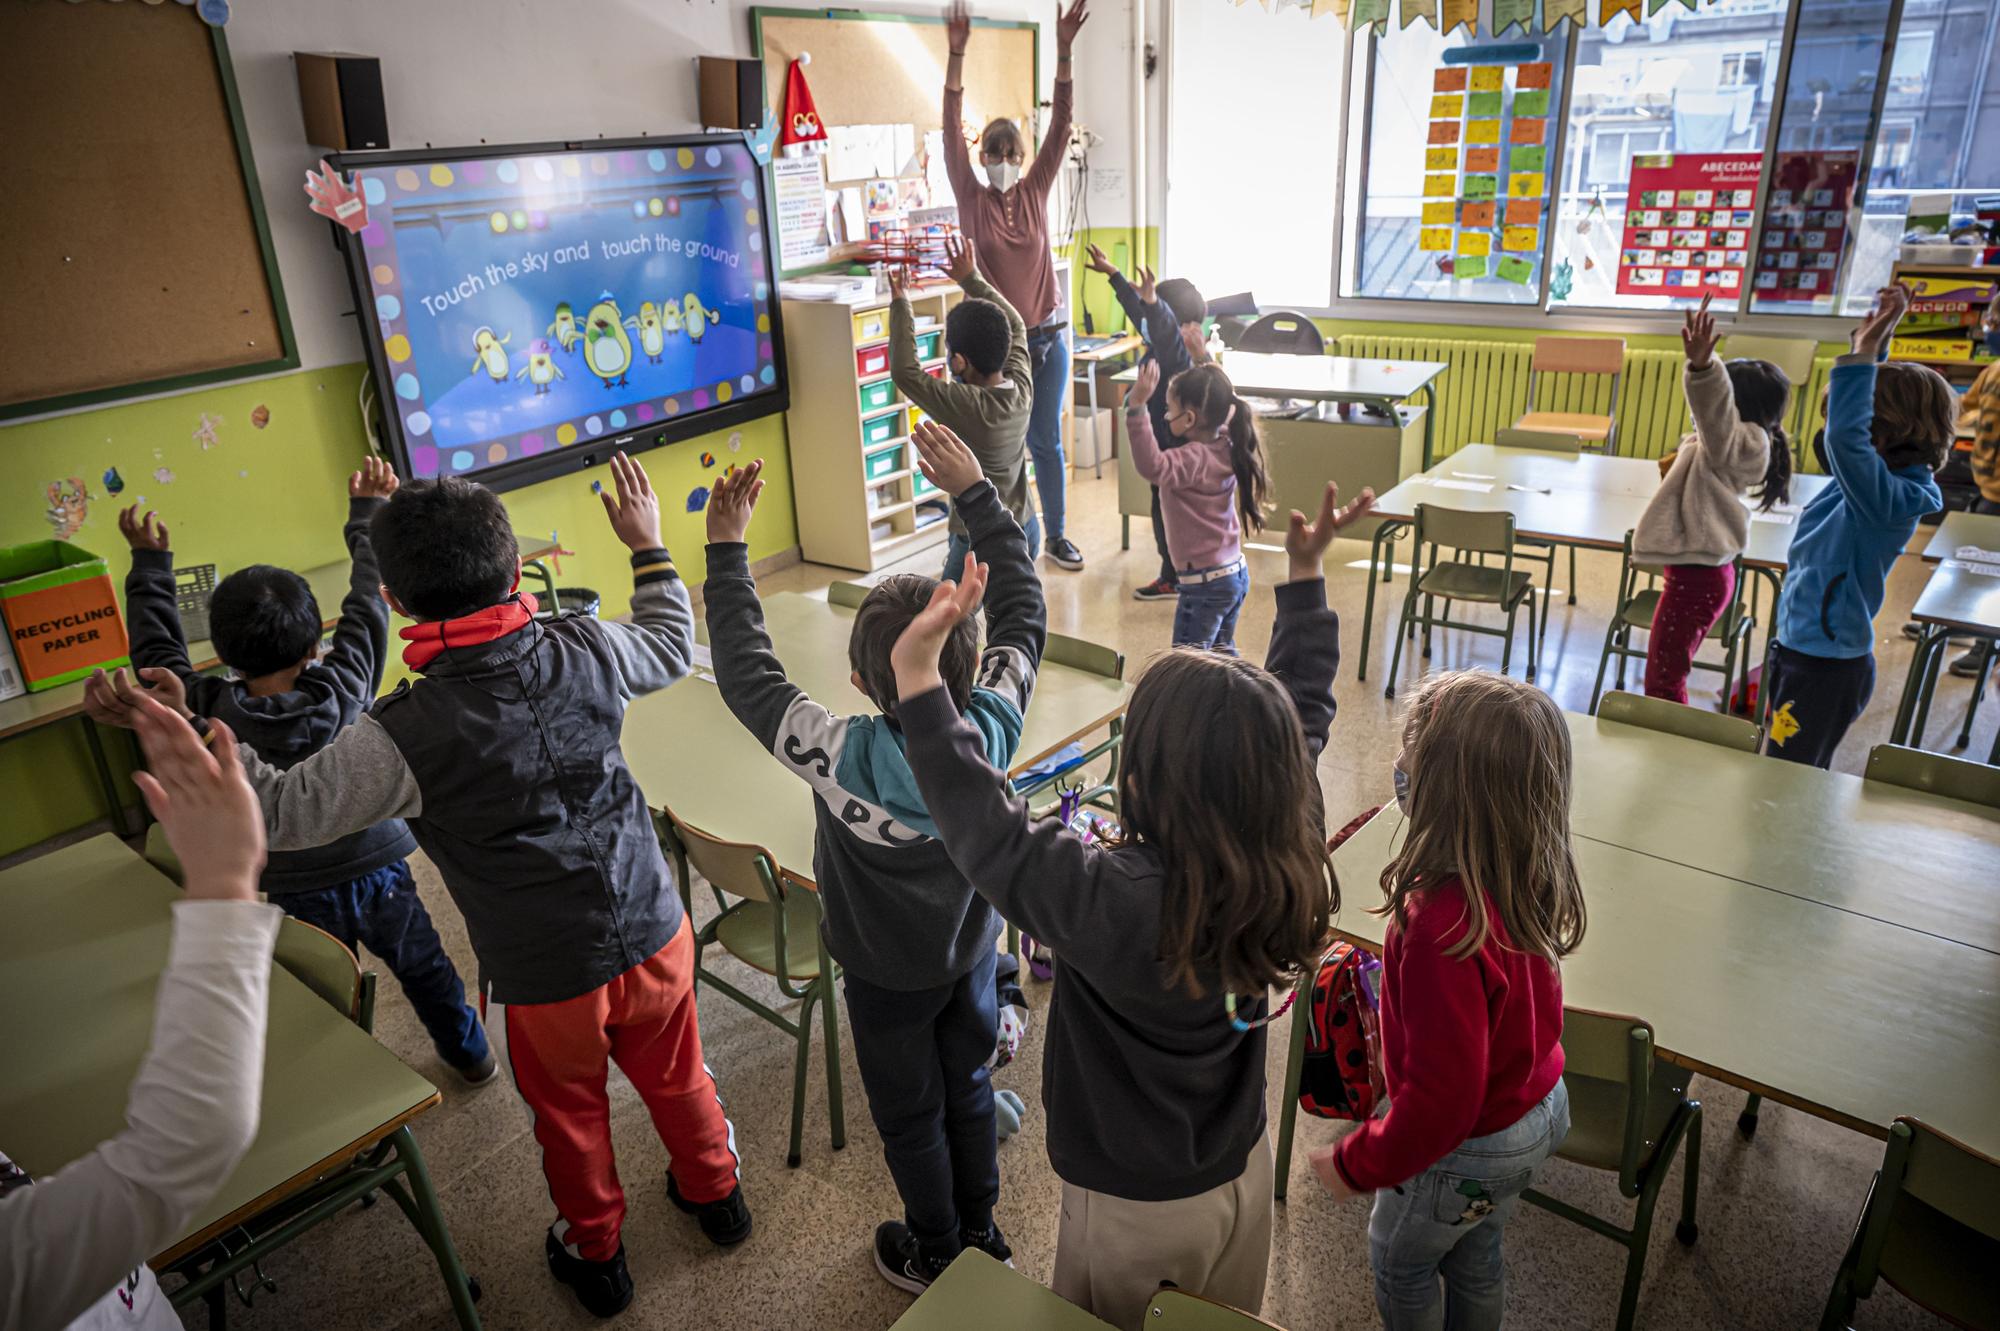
pixel 875 769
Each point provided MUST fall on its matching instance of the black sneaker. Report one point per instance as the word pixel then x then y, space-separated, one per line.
pixel 989 1241
pixel 726 1222
pixel 603 1288
pixel 1159 589
pixel 1967 666
pixel 478 1074
pixel 1064 552
pixel 901 1262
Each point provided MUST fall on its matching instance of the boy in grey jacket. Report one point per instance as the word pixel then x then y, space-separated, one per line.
pixel 915 941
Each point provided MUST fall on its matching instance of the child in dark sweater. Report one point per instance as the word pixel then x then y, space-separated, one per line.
pixel 915 943
pixel 1153 1075
pixel 287 702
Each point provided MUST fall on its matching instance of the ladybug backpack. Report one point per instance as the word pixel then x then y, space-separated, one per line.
pixel 1342 1072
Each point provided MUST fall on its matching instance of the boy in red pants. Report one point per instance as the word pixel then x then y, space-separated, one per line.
pixel 504 760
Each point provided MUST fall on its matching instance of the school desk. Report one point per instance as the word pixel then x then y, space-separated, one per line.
pixel 85 942
pixel 977 1291
pixel 1962 597
pixel 1092 354
pixel 692 756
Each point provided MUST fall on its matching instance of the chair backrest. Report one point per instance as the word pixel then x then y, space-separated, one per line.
pixel 1951 1179
pixel 1549 441
pixel 1578 355
pixel 849 594
pixel 1285 332
pixel 322 963
pixel 161 855
pixel 1178 1310
pixel 1080 654
pixel 737 868
pixel 1463 529
pixel 1935 774
pixel 1635 709
pixel 1608 1062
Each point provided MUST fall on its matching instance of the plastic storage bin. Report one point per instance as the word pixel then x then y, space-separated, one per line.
pixel 877 465
pixel 881 429
pixel 871 361
pixel 881 393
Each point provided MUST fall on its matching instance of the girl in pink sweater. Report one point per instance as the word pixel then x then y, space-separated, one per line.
pixel 1210 485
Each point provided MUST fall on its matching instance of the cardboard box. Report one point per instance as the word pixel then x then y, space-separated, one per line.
pixel 1092 440
pixel 60 611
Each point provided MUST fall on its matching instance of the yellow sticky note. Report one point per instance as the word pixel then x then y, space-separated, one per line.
pixel 1482 131
pixel 1518 238
pixel 1524 185
pixel 1439 214
pixel 1475 242
pixel 1486 78
pixel 1434 238
pixel 1440 159
pixel 1447 106
pixel 1440 187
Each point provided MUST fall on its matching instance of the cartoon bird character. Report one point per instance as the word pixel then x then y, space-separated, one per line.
pixel 69 505
pixel 652 337
pixel 490 352
pixel 670 315
pixel 564 329
pixel 699 320
pixel 606 349
pixel 541 369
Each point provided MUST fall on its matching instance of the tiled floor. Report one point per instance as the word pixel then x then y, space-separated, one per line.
pixel 1774 1214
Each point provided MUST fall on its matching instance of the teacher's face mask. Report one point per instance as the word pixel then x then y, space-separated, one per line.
pixel 1002 175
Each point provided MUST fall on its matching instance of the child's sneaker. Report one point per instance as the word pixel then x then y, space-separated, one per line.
pixel 901 1262
pixel 603 1288
pixel 478 1074
pixel 989 1241
pixel 726 1222
pixel 1159 589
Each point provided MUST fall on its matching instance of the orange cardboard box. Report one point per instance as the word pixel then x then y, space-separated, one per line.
pixel 60 611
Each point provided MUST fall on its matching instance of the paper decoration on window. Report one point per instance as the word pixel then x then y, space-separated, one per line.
pixel 1534 75
pixel 1440 159
pixel 1460 13
pixel 1655 6
pixel 1439 187
pixel 1440 213
pixel 1805 226
pixel 1525 185
pixel 1486 78
pixel 1532 102
pixel 1516 270
pixel 1511 13
pixel 1477 214
pixel 1444 131
pixel 1482 159
pixel 1483 104
pixel 1480 131
pixel 1610 9
pixel 1481 187
pixel 1370 12
pixel 1447 106
pixel 1529 129
pixel 1451 78
pixel 1519 239
pixel 1420 9
pixel 1469 267
pixel 1524 212
pixel 1681 214
pixel 1555 11
pixel 1434 238
pixel 1527 159
pixel 1475 242
pixel 1337 8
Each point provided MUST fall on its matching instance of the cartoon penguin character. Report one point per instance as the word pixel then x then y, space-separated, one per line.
pixel 541 369
pixel 564 329
pixel 606 349
pixel 699 320
pixel 652 337
pixel 670 315
pixel 490 352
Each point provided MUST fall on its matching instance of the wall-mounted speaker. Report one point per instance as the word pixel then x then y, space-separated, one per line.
pixel 731 91
pixel 341 96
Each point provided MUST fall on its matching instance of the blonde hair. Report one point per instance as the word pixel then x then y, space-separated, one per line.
pixel 1489 769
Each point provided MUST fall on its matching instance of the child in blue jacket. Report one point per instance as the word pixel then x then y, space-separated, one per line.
pixel 1889 428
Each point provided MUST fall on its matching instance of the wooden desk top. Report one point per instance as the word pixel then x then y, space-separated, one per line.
pixel 1957 529
pixel 86 940
pixel 1325 378
pixel 692 756
pixel 1108 349
pixel 977 1291
pixel 1960 598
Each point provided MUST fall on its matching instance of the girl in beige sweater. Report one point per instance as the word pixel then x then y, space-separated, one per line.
pixel 1697 524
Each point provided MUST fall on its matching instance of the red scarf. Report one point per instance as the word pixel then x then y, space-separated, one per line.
pixel 430 640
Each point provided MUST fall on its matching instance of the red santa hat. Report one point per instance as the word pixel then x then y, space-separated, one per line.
pixel 801 124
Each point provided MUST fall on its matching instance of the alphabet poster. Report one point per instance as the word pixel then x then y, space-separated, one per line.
pixel 1805 225
pixel 1688 224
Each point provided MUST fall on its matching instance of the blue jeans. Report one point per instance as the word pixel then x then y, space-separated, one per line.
pixel 382 911
pixel 956 546
pixel 1448 1221
pixel 922 1056
pixel 1049 356
pixel 1206 615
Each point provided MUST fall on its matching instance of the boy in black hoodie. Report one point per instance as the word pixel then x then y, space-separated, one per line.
pixel 287 702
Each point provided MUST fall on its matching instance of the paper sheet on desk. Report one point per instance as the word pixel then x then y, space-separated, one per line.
pixel 1477 487
pixel 1983 569
pixel 1978 554
pixel 1777 515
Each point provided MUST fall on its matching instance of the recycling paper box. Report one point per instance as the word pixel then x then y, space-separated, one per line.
pixel 60 611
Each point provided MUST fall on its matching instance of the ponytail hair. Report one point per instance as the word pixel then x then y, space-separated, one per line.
pixel 1206 391
pixel 1762 394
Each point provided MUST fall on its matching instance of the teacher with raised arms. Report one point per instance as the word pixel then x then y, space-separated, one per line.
pixel 1006 216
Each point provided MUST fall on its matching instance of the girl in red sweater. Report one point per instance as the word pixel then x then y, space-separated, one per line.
pixel 1484 901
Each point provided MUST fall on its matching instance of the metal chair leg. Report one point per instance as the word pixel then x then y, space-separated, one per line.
pixel 434 1231
pixel 836 1108
pixel 1687 1231
pixel 1746 1122
pixel 1572 575
pixel 800 1055
pixel 1986 653
pixel 1288 1111
pixel 1507 645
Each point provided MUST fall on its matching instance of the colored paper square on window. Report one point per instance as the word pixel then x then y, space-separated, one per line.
pixel 1439 187
pixel 1434 238
pixel 1521 239
pixel 1532 158
pixel 1524 212
pixel 1469 267
pixel 1486 78
pixel 1447 106
pixel 1476 187
pixel 1517 271
pixel 1483 104
pixel 1444 131
pixel 1525 185
pixel 1440 159
pixel 1449 79
pixel 1534 75
pixel 1482 159
pixel 1475 242
pixel 1440 212
pixel 1532 103
pixel 1477 214
pixel 1480 131
pixel 1531 129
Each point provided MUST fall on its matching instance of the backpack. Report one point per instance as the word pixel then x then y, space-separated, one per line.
pixel 1093 827
pixel 1341 1076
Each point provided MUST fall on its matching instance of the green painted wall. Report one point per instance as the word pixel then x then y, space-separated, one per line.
pixel 1091 293
pixel 278 495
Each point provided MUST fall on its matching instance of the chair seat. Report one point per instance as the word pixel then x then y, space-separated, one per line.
pixel 1639 611
pixel 1597 1117
pixel 745 933
pixel 1583 423
pixel 1941 1264
pixel 1469 582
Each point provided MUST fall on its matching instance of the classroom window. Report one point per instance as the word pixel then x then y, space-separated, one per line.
pixel 1242 214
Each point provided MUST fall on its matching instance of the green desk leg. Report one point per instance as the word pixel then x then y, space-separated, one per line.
pixel 425 1213
pixel 1932 666
pixel 113 802
pixel 1987 650
pixel 1430 423
pixel 1384 534
pixel 1288 1112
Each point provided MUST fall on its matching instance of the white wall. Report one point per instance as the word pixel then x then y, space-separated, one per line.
pixel 459 72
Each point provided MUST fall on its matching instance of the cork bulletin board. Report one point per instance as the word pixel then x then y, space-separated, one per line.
pixel 137 259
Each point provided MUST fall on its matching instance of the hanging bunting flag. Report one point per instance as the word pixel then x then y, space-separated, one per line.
pixel 1610 9
pixel 1370 13
pixel 1511 13
pixel 1426 10
pixel 1655 6
pixel 1555 11
pixel 1337 8
pixel 1459 13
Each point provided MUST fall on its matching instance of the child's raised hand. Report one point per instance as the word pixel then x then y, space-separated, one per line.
pixel 1698 335
pixel 1306 542
pixel 944 459
pixel 635 512
pixel 915 655
pixel 375 480
pixel 960 259
pixel 1099 263
pixel 1069 23
pixel 1891 304
pixel 899 282
pixel 1144 386
pixel 147 533
pixel 957 26
pixel 114 699
pixel 731 503
pixel 201 797
pixel 1148 285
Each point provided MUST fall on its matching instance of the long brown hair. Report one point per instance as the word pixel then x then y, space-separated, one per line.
pixel 1489 788
pixel 1217 778
pixel 1206 391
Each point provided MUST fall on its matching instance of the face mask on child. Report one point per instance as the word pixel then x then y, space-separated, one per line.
pixel 1002 175
pixel 1402 780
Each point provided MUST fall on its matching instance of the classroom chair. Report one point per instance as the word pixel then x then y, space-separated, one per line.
pixel 322 963
pixel 1548 441
pixel 1935 774
pixel 767 926
pixel 1639 594
pixel 848 594
pixel 1455 580
pixel 1793 355
pixel 1590 357
pixel 1284 333
pixel 1636 709
pixel 1930 1227
pixel 161 855
pixel 1179 1310
pixel 1628 1112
